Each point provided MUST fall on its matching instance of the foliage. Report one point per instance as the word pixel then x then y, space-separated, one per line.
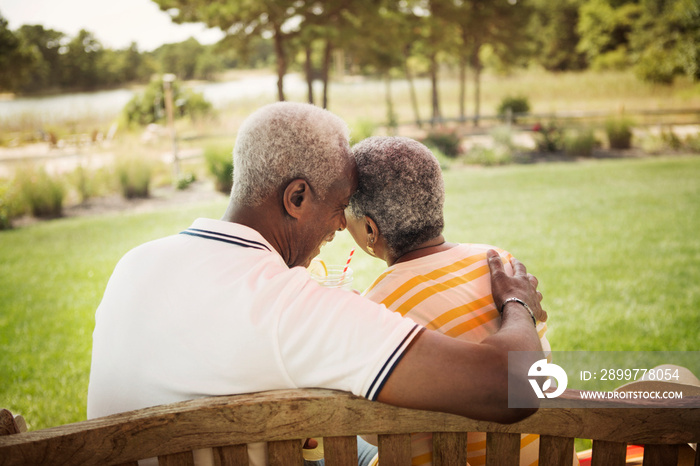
pixel 89 183
pixel 185 180
pixel 219 161
pixel 446 141
pixel 579 142
pixel 604 29
pixel 362 129
pixel 665 41
pixel 489 156
pixel 501 152
pixel 554 35
pixel 16 59
pixel 188 60
pixel 692 143
pixel 619 132
pixel 134 176
pixel 10 204
pixel 549 137
pixel 42 193
pixel 667 140
pixel 149 107
pixel 512 105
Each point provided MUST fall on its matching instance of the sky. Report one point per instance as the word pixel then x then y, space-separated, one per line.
pixel 115 23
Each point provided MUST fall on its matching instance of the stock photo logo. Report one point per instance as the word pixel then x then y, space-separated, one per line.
pixel 542 368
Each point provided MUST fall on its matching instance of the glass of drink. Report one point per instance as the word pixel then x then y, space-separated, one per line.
pixel 333 276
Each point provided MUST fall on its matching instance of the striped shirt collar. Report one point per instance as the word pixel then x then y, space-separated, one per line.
pixel 228 232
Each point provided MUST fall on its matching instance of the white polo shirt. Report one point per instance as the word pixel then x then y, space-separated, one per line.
pixel 215 310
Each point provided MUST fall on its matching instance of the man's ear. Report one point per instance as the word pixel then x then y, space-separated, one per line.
pixel 296 197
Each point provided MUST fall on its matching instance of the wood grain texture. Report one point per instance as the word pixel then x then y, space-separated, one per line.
pixel 450 449
pixel 608 453
pixel 556 451
pixel 285 453
pixel 177 459
pixel 340 451
pixel 502 448
pixel 660 455
pixel 231 455
pixel 298 414
pixel 395 449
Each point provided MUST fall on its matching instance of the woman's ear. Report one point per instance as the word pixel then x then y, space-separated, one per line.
pixel 296 197
pixel 371 229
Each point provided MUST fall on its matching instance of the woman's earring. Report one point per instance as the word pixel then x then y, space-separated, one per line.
pixel 370 249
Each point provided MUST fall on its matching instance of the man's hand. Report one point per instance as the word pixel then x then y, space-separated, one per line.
pixel 519 285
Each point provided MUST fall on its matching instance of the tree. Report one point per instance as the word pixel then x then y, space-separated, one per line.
pixel 179 59
pixel 501 24
pixel 149 106
pixel 46 72
pixel 16 59
pixel 665 42
pixel 333 24
pixel 247 19
pixel 81 60
pixel 605 29
pixel 554 35
pixel 378 50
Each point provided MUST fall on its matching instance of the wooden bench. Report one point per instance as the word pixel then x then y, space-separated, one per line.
pixel 283 417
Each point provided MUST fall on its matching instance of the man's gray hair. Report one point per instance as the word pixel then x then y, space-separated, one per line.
pixel 284 141
pixel 401 189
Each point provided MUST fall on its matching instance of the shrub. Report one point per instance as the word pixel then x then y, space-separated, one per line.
pixel 548 137
pixel 489 156
pixel 10 204
pixel 42 194
pixel 220 164
pixel 446 141
pixel 185 181
pixel 619 131
pixel 671 139
pixel 134 177
pixel 692 142
pixel 579 142
pixel 149 107
pixel 90 183
pixel 444 161
pixel 516 104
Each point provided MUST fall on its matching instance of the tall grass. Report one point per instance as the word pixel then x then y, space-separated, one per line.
pixel 614 244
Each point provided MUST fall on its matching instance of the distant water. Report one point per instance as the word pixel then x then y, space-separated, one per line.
pixel 110 103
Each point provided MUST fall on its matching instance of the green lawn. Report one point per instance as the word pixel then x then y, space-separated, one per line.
pixel 615 244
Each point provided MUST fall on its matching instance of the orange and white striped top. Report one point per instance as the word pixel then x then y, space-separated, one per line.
pixel 450 292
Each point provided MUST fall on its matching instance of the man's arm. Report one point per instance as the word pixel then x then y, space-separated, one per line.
pixel 440 373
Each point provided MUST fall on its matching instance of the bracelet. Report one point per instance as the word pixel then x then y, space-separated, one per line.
pixel 523 303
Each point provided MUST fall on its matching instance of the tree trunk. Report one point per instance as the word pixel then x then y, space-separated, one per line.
pixel 476 64
pixel 390 116
pixel 462 89
pixel 434 81
pixel 309 70
pixel 281 62
pixel 412 88
pixel 327 54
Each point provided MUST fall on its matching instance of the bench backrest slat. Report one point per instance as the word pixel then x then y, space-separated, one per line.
pixel 555 451
pixel 282 418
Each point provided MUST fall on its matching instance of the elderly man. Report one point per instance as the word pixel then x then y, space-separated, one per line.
pixel 223 307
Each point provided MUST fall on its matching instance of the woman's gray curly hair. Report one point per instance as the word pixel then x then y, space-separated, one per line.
pixel 284 141
pixel 401 189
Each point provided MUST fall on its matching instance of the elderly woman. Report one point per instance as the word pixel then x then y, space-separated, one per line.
pixel 397 215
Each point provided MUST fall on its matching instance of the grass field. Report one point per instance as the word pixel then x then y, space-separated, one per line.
pixel 614 243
